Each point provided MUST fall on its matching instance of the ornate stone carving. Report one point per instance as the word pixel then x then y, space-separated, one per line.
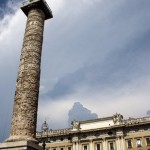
pixel 75 125
pixel 117 118
pixel 27 86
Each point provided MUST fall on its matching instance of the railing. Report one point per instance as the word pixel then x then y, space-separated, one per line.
pixel 53 132
pixel 136 120
pixel 69 130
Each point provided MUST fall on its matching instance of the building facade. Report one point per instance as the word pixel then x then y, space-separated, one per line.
pixel 109 133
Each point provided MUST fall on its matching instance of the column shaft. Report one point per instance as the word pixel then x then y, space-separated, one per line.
pixel 77 145
pixel 123 143
pixel 27 87
pixel 74 146
pixel 104 144
pixel 91 145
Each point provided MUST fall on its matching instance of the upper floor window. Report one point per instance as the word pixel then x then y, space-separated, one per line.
pixel 61 148
pixel 85 147
pixel 129 143
pixel 98 146
pixel 148 141
pixel 138 143
pixel 145 128
pixel 69 138
pixel 111 145
pixel 69 148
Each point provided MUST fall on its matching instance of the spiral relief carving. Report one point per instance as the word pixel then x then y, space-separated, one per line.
pixel 27 85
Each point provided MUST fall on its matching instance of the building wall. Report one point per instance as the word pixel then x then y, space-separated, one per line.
pixel 135 135
pixel 119 142
pixel 126 135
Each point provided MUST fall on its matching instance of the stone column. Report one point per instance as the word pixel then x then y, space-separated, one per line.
pixel 91 144
pixel 123 143
pixel 103 144
pixel 118 143
pixel 24 120
pixel 74 146
pixel 77 145
pixel 80 148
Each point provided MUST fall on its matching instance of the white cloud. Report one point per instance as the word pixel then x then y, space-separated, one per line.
pixel 11 35
pixel 131 100
pixel 55 113
pixel 55 5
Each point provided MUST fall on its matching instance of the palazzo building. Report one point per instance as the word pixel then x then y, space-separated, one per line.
pixel 109 133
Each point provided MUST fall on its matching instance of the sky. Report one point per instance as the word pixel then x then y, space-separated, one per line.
pixel 96 53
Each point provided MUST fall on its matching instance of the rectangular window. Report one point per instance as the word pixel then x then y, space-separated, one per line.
pixel 138 143
pixel 98 147
pixel 69 148
pixel 129 143
pixel 148 141
pixel 111 146
pixel 85 147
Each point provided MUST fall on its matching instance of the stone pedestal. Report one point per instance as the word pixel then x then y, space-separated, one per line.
pixel 22 145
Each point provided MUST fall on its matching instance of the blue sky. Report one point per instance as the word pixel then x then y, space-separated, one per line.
pixel 94 52
pixel 3 1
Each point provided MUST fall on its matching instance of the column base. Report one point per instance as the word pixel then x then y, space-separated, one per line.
pixel 17 138
pixel 20 145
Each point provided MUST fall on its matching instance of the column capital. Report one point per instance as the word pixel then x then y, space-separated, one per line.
pixel 37 4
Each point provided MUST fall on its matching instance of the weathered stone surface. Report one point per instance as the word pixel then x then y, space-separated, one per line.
pixel 27 87
pixel 21 145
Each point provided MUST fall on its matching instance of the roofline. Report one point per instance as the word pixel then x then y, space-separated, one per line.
pixel 96 120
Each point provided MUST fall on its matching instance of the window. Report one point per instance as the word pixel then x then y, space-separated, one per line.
pixel 69 138
pixel 54 140
pixel 69 148
pixel 145 128
pixel 136 130
pixel 111 146
pixel 129 144
pixel 61 148
pixel 138 143
pixel 54 148
pixel 148 141
pixel 85 147
pixel 98 146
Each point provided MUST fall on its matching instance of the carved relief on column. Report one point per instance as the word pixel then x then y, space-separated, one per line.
pixel 27 86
